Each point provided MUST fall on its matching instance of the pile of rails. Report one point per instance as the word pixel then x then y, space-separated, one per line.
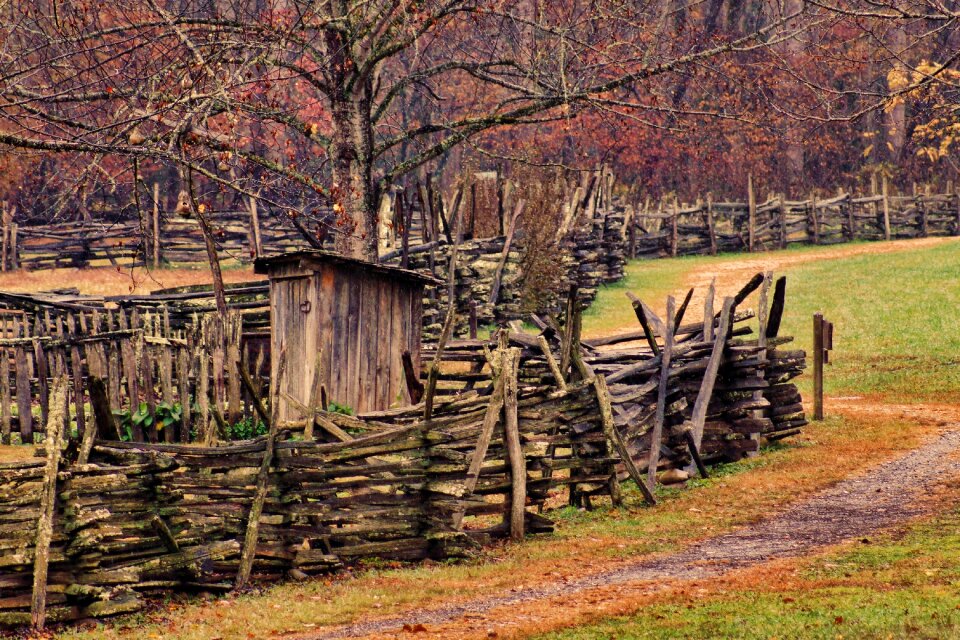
pixel 498 428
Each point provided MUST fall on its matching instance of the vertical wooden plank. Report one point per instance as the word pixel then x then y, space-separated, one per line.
pixel 5 248
pixel 814 219
pixel 234 337
pixel 76 365
pixel 43 390
pixel 674 237
pixel 5 407
pixel 183 385
pixel 782 216
pixel 129 364
pixel 886 210
pixel 372 344
pixel 251 537
pixel 657 433
pixel 353 392
pixel 165 353
pixel 48 497
pixel 818 366
pixel 515 457
pixel 326 325
pixel 204 431
pixel 710 375
pixel 147 363
pixel 257 244
pixel 412 298
pixel 340 341
pixel 217 345
pixel 711 225
pixel 708 311
pixel 14 248
pixel 751 212
pixel 156 225
pixel 24 411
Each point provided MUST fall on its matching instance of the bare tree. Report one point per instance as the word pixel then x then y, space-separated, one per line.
pixel 301 103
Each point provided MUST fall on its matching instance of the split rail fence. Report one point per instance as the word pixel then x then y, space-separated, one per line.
pixel 494 429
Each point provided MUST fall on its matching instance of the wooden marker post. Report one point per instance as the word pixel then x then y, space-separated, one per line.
pixel 822 345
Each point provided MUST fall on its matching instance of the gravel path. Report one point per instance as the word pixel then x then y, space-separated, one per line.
pixel 882 497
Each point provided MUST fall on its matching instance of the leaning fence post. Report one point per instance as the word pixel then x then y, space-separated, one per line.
pixel 252 534
pixel 41 558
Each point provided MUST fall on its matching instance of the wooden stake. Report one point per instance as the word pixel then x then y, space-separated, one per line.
pixel 260 493
pixel 674 238
pixel 518 464
pixel 710 375
pixel 818 366
pixel 156 225
pixel 48 498
pixel 751 212
pixel 657 434
pixel 711 229
pixel 886 209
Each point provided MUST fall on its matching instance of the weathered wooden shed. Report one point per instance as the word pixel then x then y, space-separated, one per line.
pixel 344 324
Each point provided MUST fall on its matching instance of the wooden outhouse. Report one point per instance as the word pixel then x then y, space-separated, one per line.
pixel 344 324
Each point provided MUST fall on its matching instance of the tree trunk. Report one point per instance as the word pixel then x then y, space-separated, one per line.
pixel 352 166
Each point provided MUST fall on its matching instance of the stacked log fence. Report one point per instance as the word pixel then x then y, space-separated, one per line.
pixel 510 422
pixel 170 239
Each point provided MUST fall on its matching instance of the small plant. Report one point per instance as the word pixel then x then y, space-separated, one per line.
pixel 247 429
pixel 165 416
pixel 333 407
pixel 168 416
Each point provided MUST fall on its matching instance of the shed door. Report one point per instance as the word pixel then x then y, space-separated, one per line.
pixel 294 318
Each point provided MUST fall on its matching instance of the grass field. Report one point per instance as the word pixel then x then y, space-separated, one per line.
pixel 897 326
pixel 897 337
pixel 902 585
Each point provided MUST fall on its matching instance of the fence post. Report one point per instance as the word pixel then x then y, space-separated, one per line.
pixel 814 221
pixel 14 251
pixel 886 209
pixel 673 230
pixel 156 225
pixel 711 229
pixel 818 366
pixel 6 236
pixel 257 248
pixel 783 222
pixel 751 211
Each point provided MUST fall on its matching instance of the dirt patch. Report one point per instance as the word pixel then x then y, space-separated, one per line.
pixel 115 281
pixel 887 495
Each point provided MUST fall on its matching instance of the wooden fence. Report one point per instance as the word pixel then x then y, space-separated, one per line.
pixel 708 227
pixel 169 239
pixel 93 527
pixel 143 363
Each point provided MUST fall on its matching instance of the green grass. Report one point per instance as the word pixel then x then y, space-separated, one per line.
pixel 887 588
pixel 897 326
